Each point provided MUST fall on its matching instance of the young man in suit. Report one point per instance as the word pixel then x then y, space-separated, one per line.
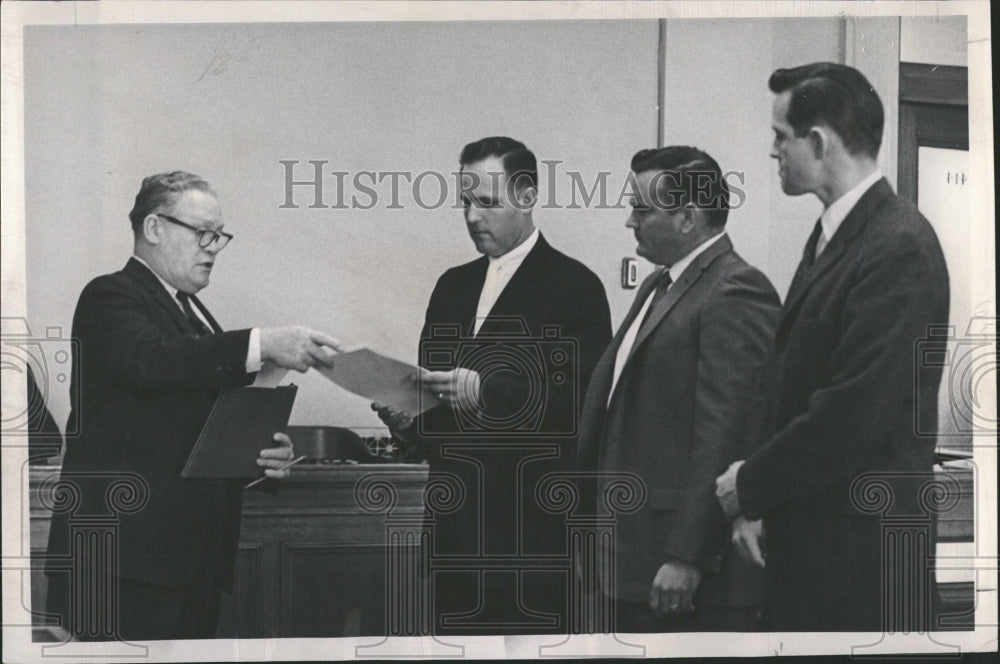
pixel 844 385
pixel 670 399
pixel 151 361
pixel 521 329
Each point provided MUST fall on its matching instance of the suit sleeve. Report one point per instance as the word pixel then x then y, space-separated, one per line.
pixel 735 328
pixel 119 339
pixel 897 290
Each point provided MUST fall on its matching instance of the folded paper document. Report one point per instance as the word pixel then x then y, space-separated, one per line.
pixel 381 379
pixel 242 422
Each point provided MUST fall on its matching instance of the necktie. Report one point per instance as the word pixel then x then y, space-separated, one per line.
pixel 820 244
pixel 810 257
pixel 185 300
pixel 662 284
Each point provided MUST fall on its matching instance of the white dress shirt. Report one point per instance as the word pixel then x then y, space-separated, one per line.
pixel 253 363
pixel 676 270
pixel 834 216
pixel 498 274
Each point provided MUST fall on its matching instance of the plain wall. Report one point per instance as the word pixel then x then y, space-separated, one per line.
pixel 108 105
pixel 716 98
pixel 934 40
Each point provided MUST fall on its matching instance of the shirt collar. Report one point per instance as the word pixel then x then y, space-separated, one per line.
pixel 834 216
pixel 170 289
pixel 677 269
pixel 517 254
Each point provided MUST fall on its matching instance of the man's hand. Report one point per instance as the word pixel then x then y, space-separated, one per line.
pixel 273 458
pixel 399 423
pixel 748 537
pixel 297 347
pixel 459 387
pixel 725 490
pixel 673 588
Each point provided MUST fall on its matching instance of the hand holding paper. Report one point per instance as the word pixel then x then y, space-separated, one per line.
pixel 383 380
pixel 297 347
pixel 458 387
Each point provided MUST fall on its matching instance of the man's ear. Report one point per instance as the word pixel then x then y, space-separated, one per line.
pixel 691 217
pixel 152 229
pixel 526 197
pixel 819 139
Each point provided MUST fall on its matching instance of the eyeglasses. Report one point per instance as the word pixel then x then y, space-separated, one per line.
pixel 205 236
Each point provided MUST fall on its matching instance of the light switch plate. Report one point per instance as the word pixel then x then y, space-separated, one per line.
pixel 630 273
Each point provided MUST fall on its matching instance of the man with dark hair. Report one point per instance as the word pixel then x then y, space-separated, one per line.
pixel 151 361
pixel 524 326
pixel 844 387
pixel 670 401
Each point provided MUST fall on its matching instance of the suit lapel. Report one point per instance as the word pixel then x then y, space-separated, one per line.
pixel 521 284
pixel 600 380
pixel 467 298
pixel 677 291
pixel 595 403
pixel 855 221
pixel 148 281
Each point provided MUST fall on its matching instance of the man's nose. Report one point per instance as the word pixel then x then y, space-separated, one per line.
pixel 473 215
pixel 630 221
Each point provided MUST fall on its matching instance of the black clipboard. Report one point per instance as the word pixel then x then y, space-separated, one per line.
pixel 242 422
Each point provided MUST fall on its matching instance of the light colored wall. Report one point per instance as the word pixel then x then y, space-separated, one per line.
pixel 934 40
pixel 108 105
pixel 716 97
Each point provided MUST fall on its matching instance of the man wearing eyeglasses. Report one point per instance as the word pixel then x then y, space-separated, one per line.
pixel 151 360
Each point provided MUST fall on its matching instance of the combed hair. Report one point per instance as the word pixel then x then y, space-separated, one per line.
pixel 693 177
pixel 837 96
pixel 161 191
pixel 518 161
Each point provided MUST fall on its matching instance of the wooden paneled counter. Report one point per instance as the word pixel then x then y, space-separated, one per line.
pixel 311 560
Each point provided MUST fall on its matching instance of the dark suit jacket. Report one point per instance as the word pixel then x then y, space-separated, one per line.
pixel 677 419
pixel 147 383
pixel 844 391
pixel 535 352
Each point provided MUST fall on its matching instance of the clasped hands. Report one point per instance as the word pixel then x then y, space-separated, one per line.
pixel 747 536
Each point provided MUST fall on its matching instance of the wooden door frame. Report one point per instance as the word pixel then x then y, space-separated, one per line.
pixel 932 101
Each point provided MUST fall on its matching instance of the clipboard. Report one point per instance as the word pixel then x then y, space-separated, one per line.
pixel 242 422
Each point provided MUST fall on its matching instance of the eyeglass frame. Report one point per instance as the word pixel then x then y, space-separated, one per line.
pixel 201 232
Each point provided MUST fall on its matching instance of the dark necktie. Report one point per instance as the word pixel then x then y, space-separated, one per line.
pixel 185 300
pixel 662 284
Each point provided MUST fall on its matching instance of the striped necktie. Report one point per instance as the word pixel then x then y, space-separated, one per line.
pixel 185 300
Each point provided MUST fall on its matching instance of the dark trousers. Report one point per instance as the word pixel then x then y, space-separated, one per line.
pixel 145 612
pixel 465 606
pixel 638 618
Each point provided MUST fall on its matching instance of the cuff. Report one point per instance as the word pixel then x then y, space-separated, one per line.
pixel 253 351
